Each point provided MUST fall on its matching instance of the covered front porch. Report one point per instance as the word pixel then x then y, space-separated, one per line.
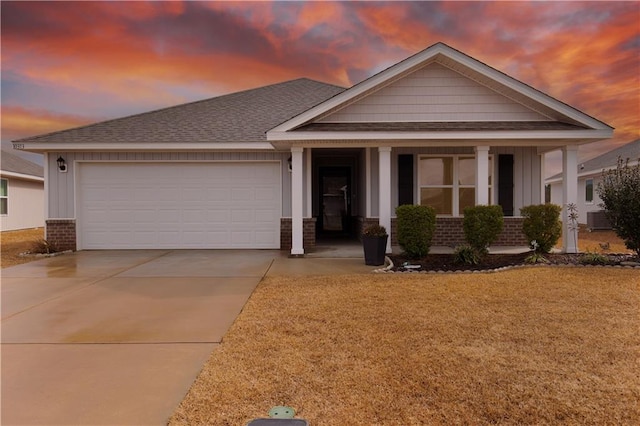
pixel 439 128
pixel 335 193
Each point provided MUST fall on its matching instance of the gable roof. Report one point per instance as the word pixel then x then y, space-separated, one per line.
pixel 459 62
pixel 237 117
pixel 14 165
pixel 608 160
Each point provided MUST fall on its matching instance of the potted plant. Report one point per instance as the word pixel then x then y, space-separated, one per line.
pixel 374 242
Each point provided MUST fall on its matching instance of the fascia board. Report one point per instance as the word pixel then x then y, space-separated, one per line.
pixel 426 56
pixel 7 174
pixel 143 146
pixel 528 91
pixel 553 136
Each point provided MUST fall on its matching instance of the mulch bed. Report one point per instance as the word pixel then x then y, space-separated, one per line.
pixel 446 263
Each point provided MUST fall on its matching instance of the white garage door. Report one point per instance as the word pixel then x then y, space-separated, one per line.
pixel 179 205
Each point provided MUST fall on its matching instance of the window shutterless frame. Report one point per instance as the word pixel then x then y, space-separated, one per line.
pixel 4 197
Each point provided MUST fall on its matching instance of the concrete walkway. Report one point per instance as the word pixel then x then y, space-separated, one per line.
pixel 116 337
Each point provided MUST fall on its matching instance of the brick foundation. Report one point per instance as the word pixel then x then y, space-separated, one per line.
pixel 449 231
pixel 308 233
pixel 62 233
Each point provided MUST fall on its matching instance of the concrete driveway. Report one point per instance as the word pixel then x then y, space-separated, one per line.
pixel 116 337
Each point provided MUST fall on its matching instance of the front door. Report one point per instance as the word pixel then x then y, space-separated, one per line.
pixel 334 201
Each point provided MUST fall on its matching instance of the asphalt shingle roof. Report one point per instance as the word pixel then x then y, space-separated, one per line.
pixel 237 117
pixel 629 151
pixel 10 162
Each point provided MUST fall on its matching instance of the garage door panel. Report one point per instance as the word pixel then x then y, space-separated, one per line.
pixel 179 205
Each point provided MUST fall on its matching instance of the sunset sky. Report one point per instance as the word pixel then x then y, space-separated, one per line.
pixel 68 64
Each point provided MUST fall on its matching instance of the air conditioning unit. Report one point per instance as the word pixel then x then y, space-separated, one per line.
pixel 597 221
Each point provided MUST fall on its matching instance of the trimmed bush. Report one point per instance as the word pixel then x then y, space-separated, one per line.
pixel 542 225
pixel 482 226
pixel 416 226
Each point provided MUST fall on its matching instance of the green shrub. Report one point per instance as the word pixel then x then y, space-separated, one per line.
pixel 620 194
pixel 416 226
pixel 542 225
pixel 467 255
pixel 536 257
pixel 591 258
pixel 482 226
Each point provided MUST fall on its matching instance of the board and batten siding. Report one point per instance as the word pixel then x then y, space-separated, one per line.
pixel 61 199
pixel 434 93
pixel 527 173
pixel 527 178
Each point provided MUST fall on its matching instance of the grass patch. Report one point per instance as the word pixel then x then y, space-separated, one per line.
pixel 535 345
pixel 13 243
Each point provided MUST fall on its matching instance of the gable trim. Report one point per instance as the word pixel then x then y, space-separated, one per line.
pixel 422 59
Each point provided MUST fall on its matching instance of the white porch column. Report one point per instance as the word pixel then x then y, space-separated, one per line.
pixel 543 190
pixel 482 175
pixel 384 187
pixel 297 195
pixel 569 195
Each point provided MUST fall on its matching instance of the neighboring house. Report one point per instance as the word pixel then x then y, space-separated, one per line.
pixel 589 175
pixel 283 165
pixel 21 193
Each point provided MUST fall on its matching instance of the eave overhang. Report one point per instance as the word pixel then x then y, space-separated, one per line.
pixel 21 176
pixel 541 138
pixel 42 147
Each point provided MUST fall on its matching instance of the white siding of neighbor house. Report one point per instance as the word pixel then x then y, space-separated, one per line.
pixel 583 206
pixel 25 205
pixel 434 93
pixel 62 185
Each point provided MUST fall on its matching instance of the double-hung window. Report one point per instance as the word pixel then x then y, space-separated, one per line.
pixel 448 183
pixel 4 197
pixel 588 191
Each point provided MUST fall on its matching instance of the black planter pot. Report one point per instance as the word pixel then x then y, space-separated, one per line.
pixel 374 249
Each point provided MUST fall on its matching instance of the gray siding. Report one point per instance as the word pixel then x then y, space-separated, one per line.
pixel 62 185
pixel 527 173
pixel 527 177
pixel 434 93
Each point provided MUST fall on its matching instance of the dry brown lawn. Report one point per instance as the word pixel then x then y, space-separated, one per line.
pixel 15 242
pixel 537 345
pixel 591 242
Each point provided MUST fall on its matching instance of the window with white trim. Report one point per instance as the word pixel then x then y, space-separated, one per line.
pixel 588 191
pixel 4 196
pixel 448 183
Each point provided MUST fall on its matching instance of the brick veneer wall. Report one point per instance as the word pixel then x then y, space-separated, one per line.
pixel 62 233
pixel 308 233
pixel 449 231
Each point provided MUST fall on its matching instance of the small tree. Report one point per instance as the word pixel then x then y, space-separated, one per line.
pixel 482 226
pixel 542 225
pixel 416 226
pixel 620 194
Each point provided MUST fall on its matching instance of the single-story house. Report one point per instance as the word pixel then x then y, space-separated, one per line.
pixel 589 176
pixel 283 165
pixel 21 193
